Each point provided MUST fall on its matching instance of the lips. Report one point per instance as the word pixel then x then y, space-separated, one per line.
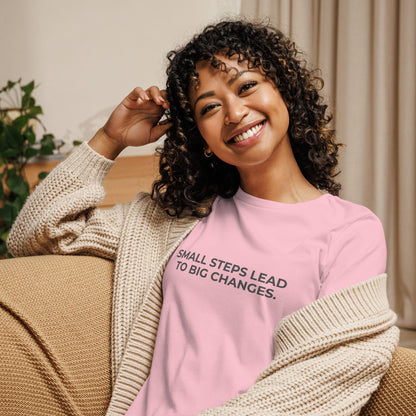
pixel 246 132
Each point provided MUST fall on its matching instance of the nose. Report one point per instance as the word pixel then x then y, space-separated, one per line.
pixel 235 111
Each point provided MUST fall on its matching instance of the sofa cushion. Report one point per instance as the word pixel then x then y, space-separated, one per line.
pixel 55 314
pixel 396 395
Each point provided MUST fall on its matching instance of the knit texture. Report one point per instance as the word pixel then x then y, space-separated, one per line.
pixel 396 395
pixel 330 355
pixel 55 336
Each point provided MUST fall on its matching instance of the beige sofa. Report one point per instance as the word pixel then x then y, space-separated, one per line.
pixel 55 342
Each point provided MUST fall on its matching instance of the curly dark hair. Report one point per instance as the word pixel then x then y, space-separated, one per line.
pixel 187 177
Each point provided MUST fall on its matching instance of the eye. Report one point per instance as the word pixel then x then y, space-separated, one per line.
pixel 207 108
pixel 246 86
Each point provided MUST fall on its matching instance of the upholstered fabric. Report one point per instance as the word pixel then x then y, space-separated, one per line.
pixel 396 395
pixel 55 336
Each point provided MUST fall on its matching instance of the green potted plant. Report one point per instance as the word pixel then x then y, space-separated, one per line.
pixel 19 115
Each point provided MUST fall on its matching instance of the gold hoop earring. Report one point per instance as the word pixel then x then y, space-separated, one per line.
pixel 207 154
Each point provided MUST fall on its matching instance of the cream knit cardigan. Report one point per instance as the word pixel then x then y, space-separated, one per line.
pixel 329 356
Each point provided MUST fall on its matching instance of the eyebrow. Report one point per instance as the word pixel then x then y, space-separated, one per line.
pixel 229 82
pixel 204 95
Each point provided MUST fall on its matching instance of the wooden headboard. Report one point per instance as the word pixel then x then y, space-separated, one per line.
pixel 129 175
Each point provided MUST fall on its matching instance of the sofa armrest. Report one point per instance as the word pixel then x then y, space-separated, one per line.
pixel 55 316
pixel 396 395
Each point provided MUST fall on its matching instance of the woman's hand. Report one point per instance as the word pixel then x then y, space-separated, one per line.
pixel 134 122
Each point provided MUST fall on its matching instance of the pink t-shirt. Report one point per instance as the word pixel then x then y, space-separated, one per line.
pixel 230 282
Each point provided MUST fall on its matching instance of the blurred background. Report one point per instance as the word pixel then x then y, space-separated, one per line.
pixel 86 55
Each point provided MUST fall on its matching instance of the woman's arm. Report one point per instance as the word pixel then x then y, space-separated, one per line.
pixel 61 215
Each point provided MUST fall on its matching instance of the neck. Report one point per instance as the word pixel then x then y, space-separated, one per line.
pixel 278 180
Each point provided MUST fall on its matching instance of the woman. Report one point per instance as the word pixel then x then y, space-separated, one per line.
pixel 250 322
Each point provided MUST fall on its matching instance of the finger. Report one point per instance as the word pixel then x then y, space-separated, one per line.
pixel 138 95
pixel 135 94
pixel 158 131
pixel 143 96
pixel 164 94
pixel 156 95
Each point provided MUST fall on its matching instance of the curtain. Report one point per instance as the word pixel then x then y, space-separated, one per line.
pixel 366 50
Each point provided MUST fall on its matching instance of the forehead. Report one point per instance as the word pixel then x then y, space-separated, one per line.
pixel 229 62
pixel 208 77
pixel 229 69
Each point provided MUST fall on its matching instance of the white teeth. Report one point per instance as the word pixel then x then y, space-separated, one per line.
pixel 247 134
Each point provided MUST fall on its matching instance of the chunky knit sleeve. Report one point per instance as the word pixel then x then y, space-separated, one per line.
pixel 60 216
pixel 330 357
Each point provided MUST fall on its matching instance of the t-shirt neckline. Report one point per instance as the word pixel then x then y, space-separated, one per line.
pixel 266 203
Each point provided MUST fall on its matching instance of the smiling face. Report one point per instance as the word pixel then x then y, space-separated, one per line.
pixel 240 114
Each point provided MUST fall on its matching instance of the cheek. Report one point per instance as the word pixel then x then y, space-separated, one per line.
pixel 275 100
pixel 279 108
pixel 285 113
pixel 209 131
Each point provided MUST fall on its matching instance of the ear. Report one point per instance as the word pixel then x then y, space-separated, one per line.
pixel 207 151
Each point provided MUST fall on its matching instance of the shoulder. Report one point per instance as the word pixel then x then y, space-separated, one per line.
pixel 345 215
pixel 355 233
pixel 150 227
pixel 356 249
pixel 146 210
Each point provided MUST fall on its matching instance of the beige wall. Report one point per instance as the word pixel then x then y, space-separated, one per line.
pixel 87 54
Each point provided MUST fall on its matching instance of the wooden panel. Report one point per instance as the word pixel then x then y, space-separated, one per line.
pixel 127 177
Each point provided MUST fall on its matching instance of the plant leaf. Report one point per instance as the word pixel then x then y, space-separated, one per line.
pixel 3 141
pixel 47 144
pixel 30 135
pixel 3 247
pixel 13 136
pixel 28 101
pixel 20 121
pixel 43 175
pixel 10 85
pixel 18 185
pixel 31 152
pixel 8 214
pixel 28 88
pixel 35 110
pixel 16 204
pixel 4 234
pixel 9 153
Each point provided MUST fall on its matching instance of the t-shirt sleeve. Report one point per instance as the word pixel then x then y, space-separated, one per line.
pixel 356 252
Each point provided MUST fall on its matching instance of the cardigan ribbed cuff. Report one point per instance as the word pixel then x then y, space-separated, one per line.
pixel 366 301
pixel 87 164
